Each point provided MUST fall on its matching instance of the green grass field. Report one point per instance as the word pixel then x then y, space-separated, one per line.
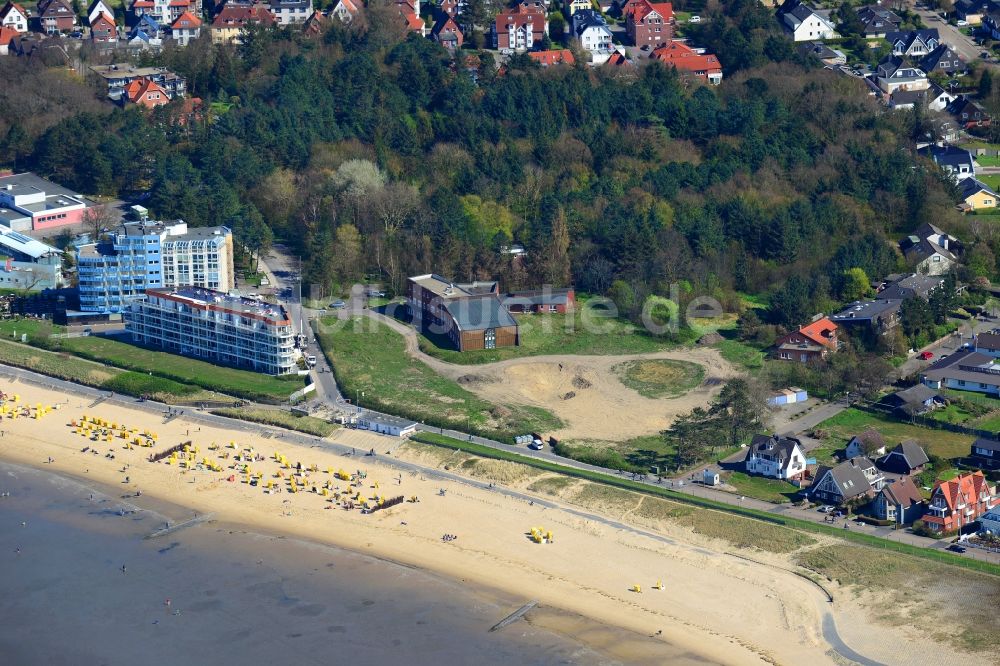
pixel 239 383
pixel 850 422
pixel 586 331
pixel 277 417
pixel 987 161
pixel 741 354
pixel 993 180
pixel 769 490
pixel 371 365
pixel 69 368
pixel 660 378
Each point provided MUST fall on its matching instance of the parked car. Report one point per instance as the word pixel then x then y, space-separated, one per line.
pixel 826 508
pixel 694 19
pixel 338 305
pixel 962 23
pixel 957 548
pixel 926 356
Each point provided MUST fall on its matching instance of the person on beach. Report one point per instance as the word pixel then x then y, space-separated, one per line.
pixel 123 569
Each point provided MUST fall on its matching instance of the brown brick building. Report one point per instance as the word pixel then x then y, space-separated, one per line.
pixel 648 23
pixel 470 315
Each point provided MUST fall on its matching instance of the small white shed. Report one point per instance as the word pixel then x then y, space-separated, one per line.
pixel 711 477
pixel 387 425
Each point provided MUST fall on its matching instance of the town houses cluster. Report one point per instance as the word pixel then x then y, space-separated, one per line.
pixel 615 32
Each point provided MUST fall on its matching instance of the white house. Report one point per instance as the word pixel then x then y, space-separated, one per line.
pixel 594 35
pixel 807 24
pixel 345 11
pixel 857 446
pixel 14 16
pixel 776 457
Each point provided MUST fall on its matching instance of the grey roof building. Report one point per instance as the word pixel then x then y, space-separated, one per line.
pixel 907 457
pixel 912 285
pixel 853 479
pixel 880 315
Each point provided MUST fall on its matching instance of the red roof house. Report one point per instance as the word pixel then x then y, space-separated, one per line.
pixel 7 36
pixel 103 29
pixel 411 19
pixel 14 17
pixel 145 93
pixel 556 57
pixel 648 23
pixel 958 502
pixel 447 33
pixel 186 27
pixel 56 16
pixel 809 343
pixel 519 29
pixel 685 59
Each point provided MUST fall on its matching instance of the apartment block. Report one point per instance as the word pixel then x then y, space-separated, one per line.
pixel 214 326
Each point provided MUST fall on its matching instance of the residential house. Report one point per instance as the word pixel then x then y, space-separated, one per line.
pixel 934 97
pixel 964 370
pixel 647 23
pixel 809 343
pixel 968 113
pixel 913 43
pixel 8 39
pixel 938 99
pixel 976 195
pixel 853 480
pixel 145 93
pixel 119 75
pixel 895 73
pixel 470 315
pixel 451 8
pixel 185 28
pixel 991 23
pixel 590 28
pixel 825 54
pixel 618 59
pixel 945 129
pixel 571 7
pixel 879 316
pixel 30 203
pixel 959 502
pixel 907 457
pixel 988 343
pixel 900 502
pixel 989 522
pixel 145 33
pixel 410 13
pixel 14 16
pixel 519 29
pixel 56 16
pixel 165 11
pixel 103 29
pixel 777 457
pixel 929 250
pixel 943 60
pixel 232 19
pixel 689 61
pixel 97 8
pixel 806 23
pixel 878 21
pixel 985 454
pixel 542 300
pixel 345 10
pixel 447 33
pixel 910 286
pixel 973 11
pixel 550 58
pixel 290 12
pixel 956 161
pixel 868 444
pixel 315 24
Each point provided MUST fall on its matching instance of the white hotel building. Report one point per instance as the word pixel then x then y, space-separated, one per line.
pixel 146 255
pixel 211 325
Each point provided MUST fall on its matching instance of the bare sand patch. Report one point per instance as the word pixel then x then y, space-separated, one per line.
pixel 586 393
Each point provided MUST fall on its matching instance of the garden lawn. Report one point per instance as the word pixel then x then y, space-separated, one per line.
pixel 587 330
pixel 987 161
pixel 759 487
pixel 239 383
pixel 993 180
pixel 371 365
pixel 36 329
pixel 850 422
pixel 660 378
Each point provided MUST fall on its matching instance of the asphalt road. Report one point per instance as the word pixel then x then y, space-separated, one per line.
pixel 951 35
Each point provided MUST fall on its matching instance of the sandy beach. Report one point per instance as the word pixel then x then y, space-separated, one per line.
pixel 713 608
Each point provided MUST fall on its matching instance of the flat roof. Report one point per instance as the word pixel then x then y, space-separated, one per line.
pixel 236 304
pixel 21 184
pixel 126 70
pixel 445 288
pixel 388 419
pixel 866 309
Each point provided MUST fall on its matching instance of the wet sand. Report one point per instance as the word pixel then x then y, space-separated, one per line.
pixel 236 596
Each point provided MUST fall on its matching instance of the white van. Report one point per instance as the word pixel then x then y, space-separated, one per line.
pixel 311 360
